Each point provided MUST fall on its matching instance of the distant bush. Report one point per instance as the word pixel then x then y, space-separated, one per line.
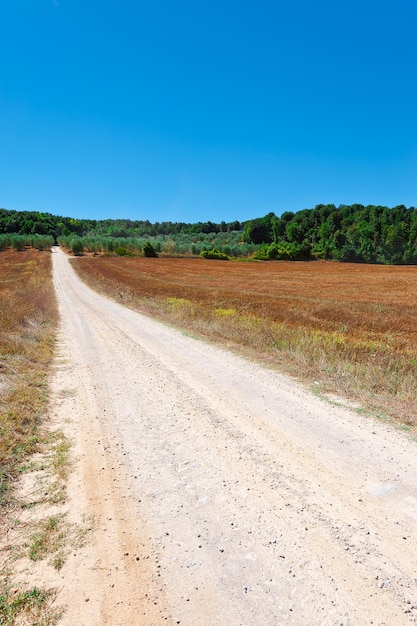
pixel 282 252
pixel 41 242
pixel 148 250
pixel 76 245
pixel 214 254
pixel 18 242
pixel 261 254
pixel 4 241
pixel 121 251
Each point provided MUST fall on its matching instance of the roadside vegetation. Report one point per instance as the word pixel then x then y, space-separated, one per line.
pixel 28 318
pixel 225 244
pixel 347 329
pixel 21 242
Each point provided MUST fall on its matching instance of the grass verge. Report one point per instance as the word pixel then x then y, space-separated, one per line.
pixel 28 319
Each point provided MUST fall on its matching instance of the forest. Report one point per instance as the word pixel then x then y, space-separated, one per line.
pixel 350 233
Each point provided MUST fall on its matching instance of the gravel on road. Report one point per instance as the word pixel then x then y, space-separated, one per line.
pixel 222 492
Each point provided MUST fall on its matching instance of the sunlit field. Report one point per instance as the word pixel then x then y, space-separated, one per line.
pixel 348 329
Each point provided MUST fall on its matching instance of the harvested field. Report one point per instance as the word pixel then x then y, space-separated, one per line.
pixel 349 328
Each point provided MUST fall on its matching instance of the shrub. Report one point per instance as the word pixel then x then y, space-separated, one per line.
pixel 41 242
pixel 18 242
pixel 214 254
pixel 121 251
pixel 148 250
pixel 262 253
pixel 76 246
pixel 4 242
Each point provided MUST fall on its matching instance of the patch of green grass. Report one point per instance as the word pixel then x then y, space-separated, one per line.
pixel 31 606
pixel 48 539
pixel 30 466
pixel 225 312
pixel 177 302
pixel 58 561
pixel 60 460
pixel 55 537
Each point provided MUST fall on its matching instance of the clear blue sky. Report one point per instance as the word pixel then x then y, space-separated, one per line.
pixel 195 111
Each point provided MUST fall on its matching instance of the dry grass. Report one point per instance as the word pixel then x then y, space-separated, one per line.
pixel 28 317
pixel 27 324
pixel 350 329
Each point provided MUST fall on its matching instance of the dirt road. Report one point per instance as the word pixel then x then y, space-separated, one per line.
pixel 223 492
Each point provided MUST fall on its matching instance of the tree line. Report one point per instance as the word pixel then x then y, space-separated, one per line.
pixel 354 233
pixel 35 222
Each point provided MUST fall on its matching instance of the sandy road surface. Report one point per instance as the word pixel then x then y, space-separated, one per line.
pixel 224 493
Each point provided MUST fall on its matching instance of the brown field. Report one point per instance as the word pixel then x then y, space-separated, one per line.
pixel 349 329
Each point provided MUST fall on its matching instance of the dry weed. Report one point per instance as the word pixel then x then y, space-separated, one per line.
pixel 28 318
pixel 27 324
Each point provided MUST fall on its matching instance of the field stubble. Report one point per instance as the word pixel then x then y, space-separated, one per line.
pixel 348 329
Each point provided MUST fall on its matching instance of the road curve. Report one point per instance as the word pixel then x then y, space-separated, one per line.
pixel 223 492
